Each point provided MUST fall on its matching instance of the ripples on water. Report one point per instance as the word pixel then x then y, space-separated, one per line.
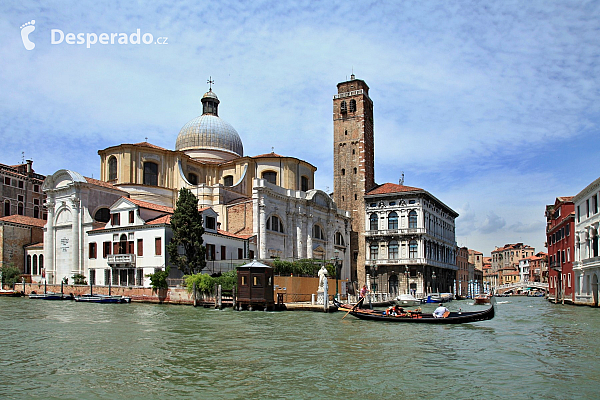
pixel 67 350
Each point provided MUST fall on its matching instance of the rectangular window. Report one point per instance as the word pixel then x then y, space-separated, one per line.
pixel 106 276
pixel 569 254
pixel 7 180
pixel 36 188
pixel 158 246
pixel 36 202
pixel 105 249
pixel 140 247
pixel 92 250
pixel 569 279
pixel 595 204
pixel 210 223
pixel 20 184
pixel 587 208
pixel 578 213
pixel 115 219
pixel 251 255
pixel 116 248
pixel 240 254
pixel 139 277
pixel 131 217
pixel 130 249
pixel 223 253
pixel 92 276
pixel 210 252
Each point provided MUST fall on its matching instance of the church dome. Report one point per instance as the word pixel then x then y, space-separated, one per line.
pixel 209 133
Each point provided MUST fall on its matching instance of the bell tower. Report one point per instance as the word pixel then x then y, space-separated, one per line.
pixel 353 161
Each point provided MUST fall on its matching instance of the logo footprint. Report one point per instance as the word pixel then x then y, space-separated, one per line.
pixel 26 29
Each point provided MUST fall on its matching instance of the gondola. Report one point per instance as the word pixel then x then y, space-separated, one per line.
pixel 418 317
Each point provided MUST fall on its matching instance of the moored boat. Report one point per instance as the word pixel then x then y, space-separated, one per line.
pixel 102 298
pixel 50 296
pixel 11 293
pixel 416 316
pixel 407 300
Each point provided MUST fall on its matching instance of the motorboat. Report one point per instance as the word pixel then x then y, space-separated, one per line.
pixel 50 296
pixel 407 300
pixel 102 298
pixel 482 299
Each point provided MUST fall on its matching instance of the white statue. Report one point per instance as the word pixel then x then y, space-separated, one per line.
pixel 322 278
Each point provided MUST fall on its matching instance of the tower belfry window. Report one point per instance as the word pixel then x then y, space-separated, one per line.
pixel 343 108
pixel 352 105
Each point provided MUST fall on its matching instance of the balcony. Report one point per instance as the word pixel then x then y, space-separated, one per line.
pixel 121 259
pixel 390 232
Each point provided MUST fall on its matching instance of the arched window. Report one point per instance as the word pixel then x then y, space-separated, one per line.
pixel 355 170
pixel 102 215
pixel 373 222
pixel 123 244
pixel 193 179
pixel 112 168
pixel 393 220
pixel 274 224
pixel 352 105
pixel 41 263
pixel 270 176
pixel 318 232
pixel 374 251
pixel 339 239
pixel 6 208
pixel 393 250
pixel 150 173
pixel 36 212
pixel 228 180
pixel 34 270
pixel 393 284
pixel 304 183
pixel 343 106
pixel 28 266
pixel 343 171
pixel 20 210
pixel 412 249
pixel 412 219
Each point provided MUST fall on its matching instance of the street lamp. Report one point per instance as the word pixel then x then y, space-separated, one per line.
pixel 406 275
pixel 433 278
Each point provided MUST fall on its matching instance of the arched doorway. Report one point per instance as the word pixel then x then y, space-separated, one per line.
pixel 393 285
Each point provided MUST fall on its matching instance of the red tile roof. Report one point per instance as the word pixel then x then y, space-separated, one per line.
pixel 274 155
pixel 35 245
pixel 163 219
pixel 151 206
pixel 393 188
pixel 225 233
pixel 96 182
pixel 23 220
pixel 203 209
pixel 146 144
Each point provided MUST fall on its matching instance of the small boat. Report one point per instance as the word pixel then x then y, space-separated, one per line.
pixel 482 299
pixel 50 296
pixel 407 300
pixel 102 298
pixel 416 316
pixel 11 293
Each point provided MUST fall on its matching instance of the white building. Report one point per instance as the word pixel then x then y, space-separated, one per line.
pixel 75 206
pixel 587 255
pixel 410 241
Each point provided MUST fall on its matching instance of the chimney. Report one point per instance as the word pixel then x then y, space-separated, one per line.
pixel 29 167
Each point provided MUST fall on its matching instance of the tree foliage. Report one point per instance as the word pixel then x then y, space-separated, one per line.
pixel 186 224
pixel 158 280
pixel 306 267
pixel 206 283
pixel 79 279
pixel 10 274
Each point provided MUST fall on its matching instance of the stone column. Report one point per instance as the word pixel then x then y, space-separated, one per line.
pixel 262 230
pixel 309 242
pixel 49 241
pixel 76 229
pixel 300 235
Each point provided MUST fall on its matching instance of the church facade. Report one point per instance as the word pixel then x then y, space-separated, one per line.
pixel 269 196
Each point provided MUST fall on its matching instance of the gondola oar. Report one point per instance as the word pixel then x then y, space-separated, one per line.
pixel 353 308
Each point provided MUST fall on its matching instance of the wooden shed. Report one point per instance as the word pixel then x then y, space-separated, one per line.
pixel 255 286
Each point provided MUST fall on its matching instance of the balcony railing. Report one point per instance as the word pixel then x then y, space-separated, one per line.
pixel 404 231
pixel 121 259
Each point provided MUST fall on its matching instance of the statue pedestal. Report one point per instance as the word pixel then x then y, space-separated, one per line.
pixel 320 297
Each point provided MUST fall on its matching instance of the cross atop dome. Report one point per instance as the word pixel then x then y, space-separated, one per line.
pixel 210 82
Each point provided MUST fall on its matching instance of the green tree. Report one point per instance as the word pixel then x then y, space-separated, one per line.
pixel 10 274
pixel 79 279
pixel 158 280
pixel 186 224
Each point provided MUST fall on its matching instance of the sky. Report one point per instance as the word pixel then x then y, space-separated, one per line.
pixel 491 106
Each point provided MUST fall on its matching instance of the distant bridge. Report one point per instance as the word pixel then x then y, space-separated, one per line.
pixel 522 285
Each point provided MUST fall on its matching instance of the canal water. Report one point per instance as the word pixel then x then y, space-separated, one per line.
pixel 67 350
